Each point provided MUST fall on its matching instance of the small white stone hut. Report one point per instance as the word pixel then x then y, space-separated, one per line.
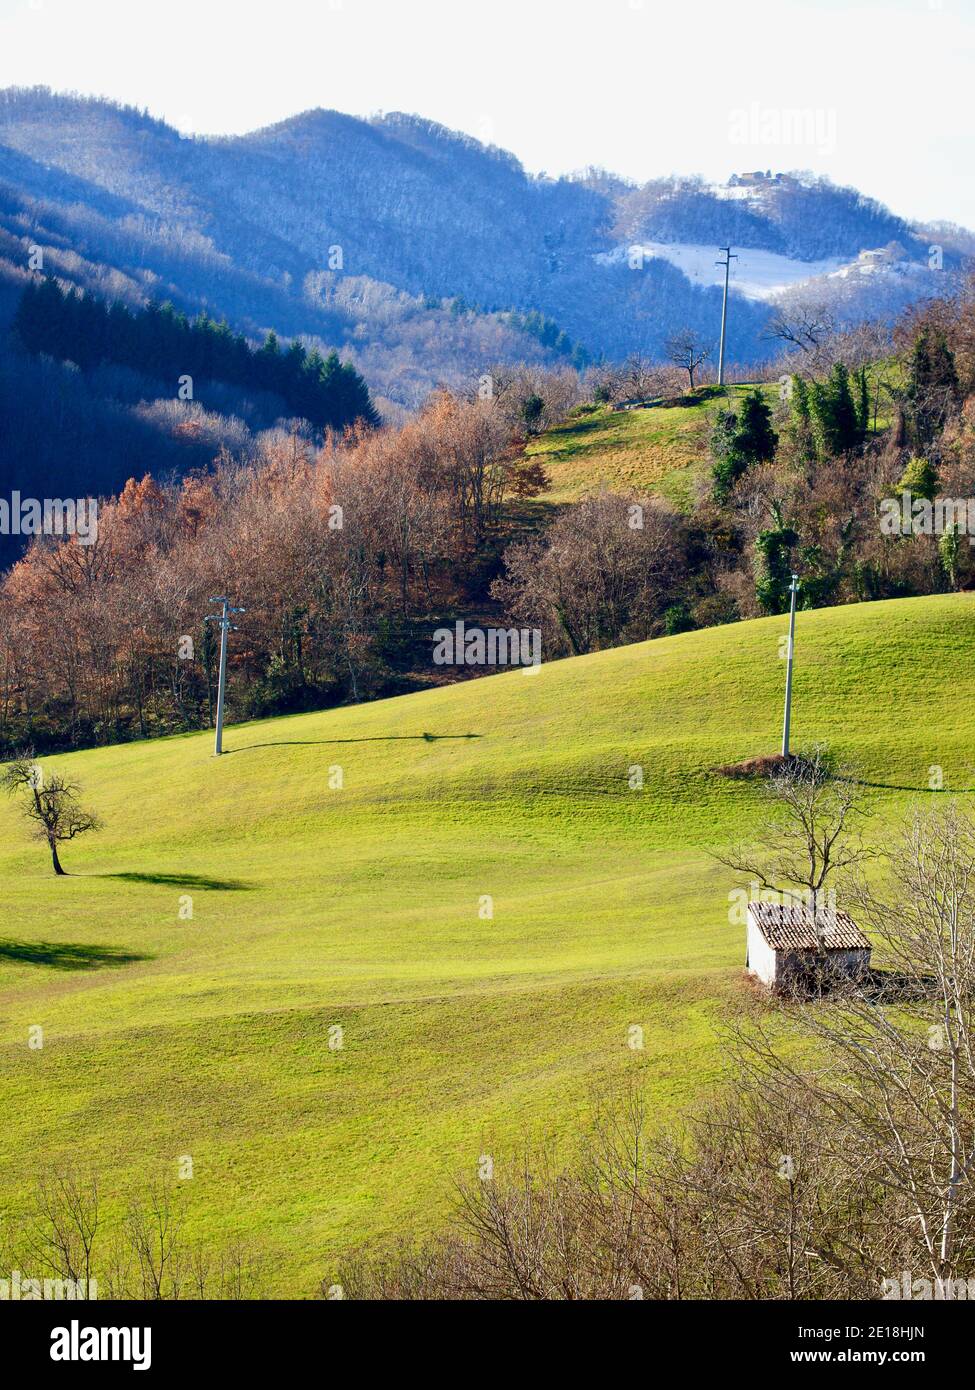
pixel 787 949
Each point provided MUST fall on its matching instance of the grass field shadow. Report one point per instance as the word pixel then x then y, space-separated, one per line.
pixel 220 885
pixel 325 742
pixel 66 955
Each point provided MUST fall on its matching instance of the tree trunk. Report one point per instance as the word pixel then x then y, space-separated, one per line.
pixel 54 856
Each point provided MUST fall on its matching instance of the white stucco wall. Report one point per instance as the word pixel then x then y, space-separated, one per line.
pixel 761 957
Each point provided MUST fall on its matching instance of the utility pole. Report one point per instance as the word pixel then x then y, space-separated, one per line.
pixel 223 620
pixel 793 590
pixel 724 307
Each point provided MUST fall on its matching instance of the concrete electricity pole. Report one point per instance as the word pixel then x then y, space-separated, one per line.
pixel 724 307
pixel 793 590
pixel 223 619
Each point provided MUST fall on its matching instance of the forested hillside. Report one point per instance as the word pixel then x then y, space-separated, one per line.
pixel 418 252
pixel 164 343
pixel 92 391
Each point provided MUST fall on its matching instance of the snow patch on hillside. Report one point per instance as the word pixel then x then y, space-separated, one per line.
pixel 756 274
pixel 764 275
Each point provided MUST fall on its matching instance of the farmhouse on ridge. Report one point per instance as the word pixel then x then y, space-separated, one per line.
pixel 787 949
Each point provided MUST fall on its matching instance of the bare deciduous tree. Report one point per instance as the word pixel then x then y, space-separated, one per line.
pixel 687 351
pixel 803 325
pixel 605 571
pixel 62 1232
pixel 928 933
pixel 813 836
pixel 51 803
pixel 68 1235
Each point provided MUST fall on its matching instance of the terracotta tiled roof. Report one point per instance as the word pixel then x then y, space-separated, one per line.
pixel 792 929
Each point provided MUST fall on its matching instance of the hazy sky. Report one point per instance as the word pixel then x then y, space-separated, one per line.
pixel 877 93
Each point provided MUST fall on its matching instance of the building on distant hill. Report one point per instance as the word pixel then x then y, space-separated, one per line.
pixel 883 255
pixel 790 951
pixel 756 177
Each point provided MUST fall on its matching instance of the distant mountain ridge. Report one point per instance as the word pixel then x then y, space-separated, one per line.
pixel 403 244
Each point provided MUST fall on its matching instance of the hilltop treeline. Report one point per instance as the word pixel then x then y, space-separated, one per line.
pixel 809 218
pixel 161 341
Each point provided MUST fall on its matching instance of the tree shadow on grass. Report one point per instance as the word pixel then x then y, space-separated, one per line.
pixel 66 955
pixel 899 787
pixel 222 885
pixel 324 742
pixel 896 986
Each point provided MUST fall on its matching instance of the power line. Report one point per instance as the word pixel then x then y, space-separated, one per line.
pixel 726 263
pixel 223 620
pixel 793 590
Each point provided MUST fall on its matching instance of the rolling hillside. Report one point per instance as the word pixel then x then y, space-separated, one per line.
pixel 363 907
pixel 662 449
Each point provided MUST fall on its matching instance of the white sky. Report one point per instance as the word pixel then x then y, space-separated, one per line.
pixel 638 86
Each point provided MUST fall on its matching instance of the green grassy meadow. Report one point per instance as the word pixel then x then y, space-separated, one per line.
pixel 362 907
pixel 661 450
